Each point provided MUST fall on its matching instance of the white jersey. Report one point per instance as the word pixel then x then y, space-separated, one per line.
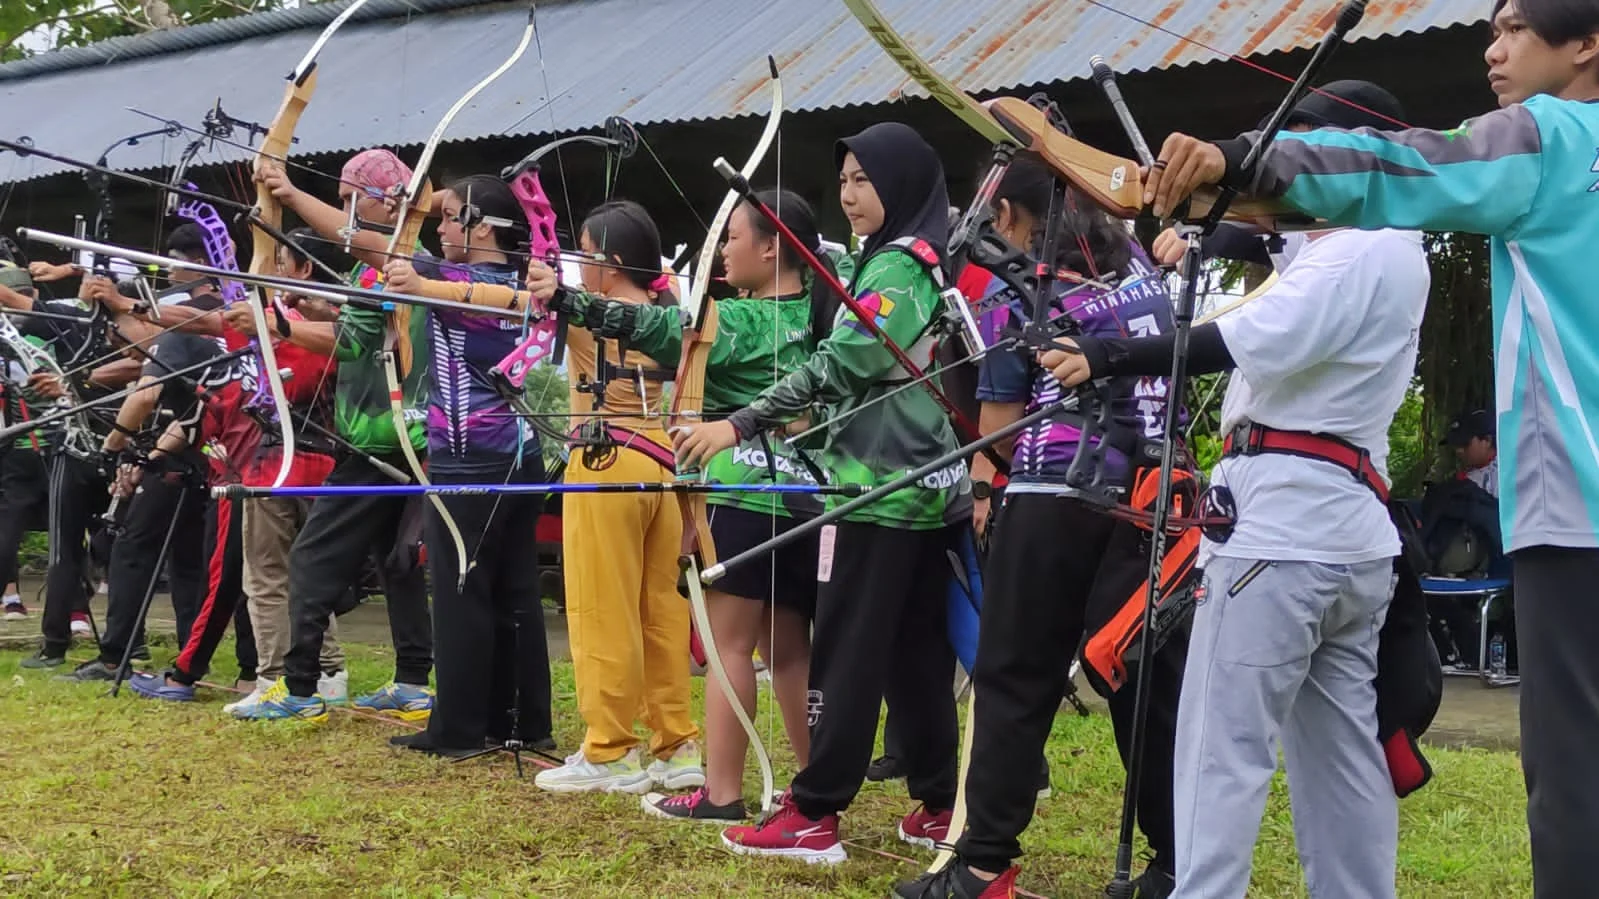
pixel 1486 477
pixel 1329 349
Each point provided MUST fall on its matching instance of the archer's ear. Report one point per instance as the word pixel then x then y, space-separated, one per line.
pixel 1587 49
pixel 1004 215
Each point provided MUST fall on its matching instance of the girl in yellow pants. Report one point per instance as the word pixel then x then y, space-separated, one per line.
pixel 628 625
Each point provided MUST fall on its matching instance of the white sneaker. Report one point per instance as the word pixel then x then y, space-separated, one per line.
pixel 253 699
pixel 579 775
pixel 80 627
pixel 334 688
pixel 680 772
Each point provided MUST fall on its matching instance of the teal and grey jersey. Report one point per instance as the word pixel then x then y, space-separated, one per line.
pixel 1528 177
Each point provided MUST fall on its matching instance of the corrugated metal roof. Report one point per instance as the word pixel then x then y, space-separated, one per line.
pixel 388 81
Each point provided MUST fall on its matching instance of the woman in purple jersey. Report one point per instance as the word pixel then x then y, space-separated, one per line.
pixel 1058 568
pixel 491 660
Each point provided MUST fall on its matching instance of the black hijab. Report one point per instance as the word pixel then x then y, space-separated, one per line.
pixel 909 179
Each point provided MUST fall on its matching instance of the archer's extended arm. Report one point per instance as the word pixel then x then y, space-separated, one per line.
pixel 1481 177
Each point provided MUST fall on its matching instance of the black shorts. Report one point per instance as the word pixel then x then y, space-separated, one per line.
pixel 786 577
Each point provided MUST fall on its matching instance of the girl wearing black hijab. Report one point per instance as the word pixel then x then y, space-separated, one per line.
pixel 883 573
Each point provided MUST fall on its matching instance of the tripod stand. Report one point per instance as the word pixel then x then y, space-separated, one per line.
pixel 149 596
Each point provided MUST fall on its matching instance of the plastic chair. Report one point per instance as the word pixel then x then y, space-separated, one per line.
pixel 1485 592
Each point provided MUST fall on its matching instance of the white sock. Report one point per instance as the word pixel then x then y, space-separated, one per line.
pixel 11 599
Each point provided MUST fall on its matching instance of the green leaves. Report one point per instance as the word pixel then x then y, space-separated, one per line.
pixel 42 25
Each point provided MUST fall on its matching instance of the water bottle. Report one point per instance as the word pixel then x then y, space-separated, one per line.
pixel 1496 655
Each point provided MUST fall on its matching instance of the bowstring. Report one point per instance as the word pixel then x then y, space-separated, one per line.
pixel 1247 62
pixel 777 346
pixel 523 426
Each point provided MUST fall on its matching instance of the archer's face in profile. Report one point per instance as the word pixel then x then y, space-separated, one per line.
pixel 370 204
pixel 749 257
pixel 1477 452
pixel 595 269
pixel 1522 64
pixel 862 206
pixel 183 276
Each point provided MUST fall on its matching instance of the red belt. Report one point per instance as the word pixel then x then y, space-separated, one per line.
pixel 1253 440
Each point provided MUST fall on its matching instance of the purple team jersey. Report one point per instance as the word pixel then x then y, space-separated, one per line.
pixel 471 428
pixel 1140 306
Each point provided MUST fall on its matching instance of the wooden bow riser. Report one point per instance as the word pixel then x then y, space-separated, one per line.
pixel 1114 182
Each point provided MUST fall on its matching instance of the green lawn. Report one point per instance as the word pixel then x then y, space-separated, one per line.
pixel 128 797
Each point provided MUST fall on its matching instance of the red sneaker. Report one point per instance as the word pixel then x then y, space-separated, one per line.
pixel 925 828
pixel 789 834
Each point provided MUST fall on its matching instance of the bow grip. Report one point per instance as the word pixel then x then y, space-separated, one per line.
pixel 511 372
pixel 535 203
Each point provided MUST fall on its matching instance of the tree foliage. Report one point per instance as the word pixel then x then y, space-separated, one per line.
pixel 1455 366
pixel 547 392
pixel 37 26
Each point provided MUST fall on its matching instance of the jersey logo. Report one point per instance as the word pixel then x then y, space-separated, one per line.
pixel 876 305
pixel 1595 168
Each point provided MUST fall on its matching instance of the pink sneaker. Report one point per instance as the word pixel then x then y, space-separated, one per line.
pixel 789 834
pixel 925 828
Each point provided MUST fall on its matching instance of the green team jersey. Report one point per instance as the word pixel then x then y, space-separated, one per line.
pixel 361 397
pixel 758 341
pixel 851 368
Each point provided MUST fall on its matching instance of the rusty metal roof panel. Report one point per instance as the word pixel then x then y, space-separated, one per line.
pixel 387 79
pixel 1024 42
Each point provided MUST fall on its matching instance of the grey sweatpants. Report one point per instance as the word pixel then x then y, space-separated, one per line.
pixel 1289 650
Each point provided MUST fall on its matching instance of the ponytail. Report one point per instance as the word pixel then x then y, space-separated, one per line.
pixel 798 216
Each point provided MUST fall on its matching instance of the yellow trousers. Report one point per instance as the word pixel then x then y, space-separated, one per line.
pixel 629 627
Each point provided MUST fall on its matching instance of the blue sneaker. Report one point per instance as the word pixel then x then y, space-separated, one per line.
pixel 155 686
pixel 406 702
pixel 278 704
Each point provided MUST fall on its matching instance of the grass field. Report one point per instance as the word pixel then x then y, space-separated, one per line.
pixel 124 797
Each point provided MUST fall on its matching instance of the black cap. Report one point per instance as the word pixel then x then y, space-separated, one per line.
pixel 1477 423
pixel 1351 104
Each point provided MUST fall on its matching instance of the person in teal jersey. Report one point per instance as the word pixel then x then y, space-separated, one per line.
pixel 1527 176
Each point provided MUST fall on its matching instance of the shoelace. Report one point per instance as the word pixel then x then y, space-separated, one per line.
pixel 687 801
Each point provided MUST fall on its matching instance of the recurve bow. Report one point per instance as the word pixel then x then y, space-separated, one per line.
pixel 415 205
pixel 297 91
pixel 688 399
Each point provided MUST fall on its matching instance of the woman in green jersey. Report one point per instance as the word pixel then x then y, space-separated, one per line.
pixel 883 573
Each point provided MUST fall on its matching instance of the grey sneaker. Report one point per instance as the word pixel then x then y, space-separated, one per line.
pixel 91 671
pixel 41 659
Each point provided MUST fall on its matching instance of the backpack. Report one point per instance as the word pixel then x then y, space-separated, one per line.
pixel 1460 530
